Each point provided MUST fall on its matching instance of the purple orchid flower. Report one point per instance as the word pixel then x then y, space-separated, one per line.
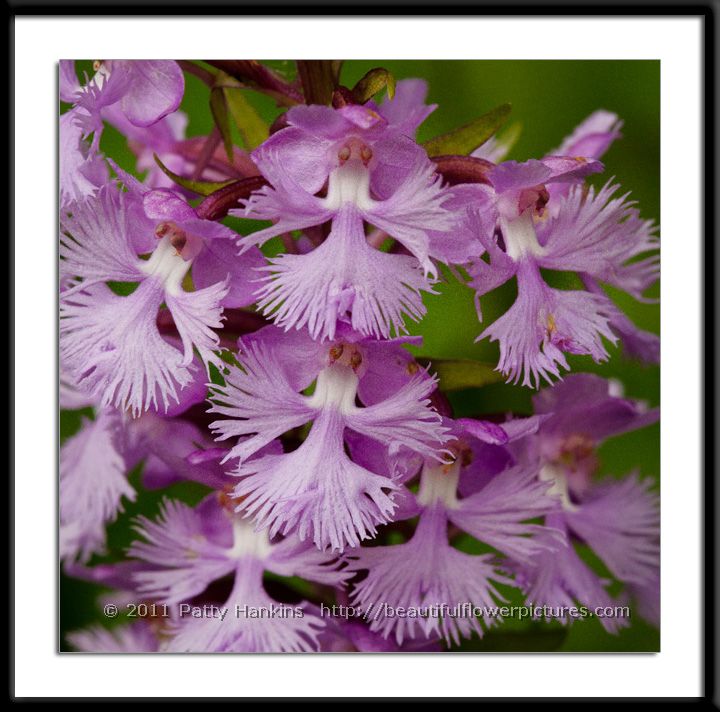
pixel 82 171
pixel 536 215
pixel 111 343
pixel 137 92
pixel 427 572
pixel 618 519
pixel 593 233
pixel 349 166
pixel 94 463
pixel 144 90
pixel 591 139
pixel 190 548
pixel 317 491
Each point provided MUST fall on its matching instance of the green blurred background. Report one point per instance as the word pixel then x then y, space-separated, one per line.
pixel 549 98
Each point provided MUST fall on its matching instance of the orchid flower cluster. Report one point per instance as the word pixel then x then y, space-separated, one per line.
pixel 237 317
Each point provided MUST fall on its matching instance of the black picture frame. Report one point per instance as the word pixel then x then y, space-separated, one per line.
pixel 709 11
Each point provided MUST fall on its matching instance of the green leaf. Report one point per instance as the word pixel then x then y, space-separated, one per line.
pixel 466 139
pixel 457 374
pixel 196 186
pixel 374 81
pixel 219 108
pixel 253 129
pixel 227 100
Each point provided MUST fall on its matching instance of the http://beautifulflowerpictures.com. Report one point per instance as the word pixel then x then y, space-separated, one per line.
pixel 339 375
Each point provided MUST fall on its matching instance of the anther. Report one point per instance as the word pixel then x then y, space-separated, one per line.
pixel 178 240
pixel 336 352
pixel 162 229
pixel 366 154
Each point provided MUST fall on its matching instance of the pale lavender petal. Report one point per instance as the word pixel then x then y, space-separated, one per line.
pixel 71 396
pixel 639 344
pixel 296 352
pixel 82 171
pixel 597 234
pixel 93 482
pixel 414 208
pixel 565 169
pixel 258 401
pixel 241 632
pixel 404 419
pixel 643 345
pixel 498 514
pixel 543 323
pixel 95 241
pixel 647 599
pixel 316 491
pixel 407 109
pixel 395 158
pixel 516 428
pixel 512 175
pixel 584 403
pixel 484 430
pixel 219 262
pixel 481 463
pixel 286 202
pixel 293 557
pixel 115 350
pixel 320 121
pixel 560 579
pixel 154 90
pixel 68 82
pixel 387 367
pixel 344 274
pixel 162 204
pixel 104 89
pixel 304 156
pixel 133 638
pixel 425 571
pixel 465 241
pixel 592 137
pixel 162 136
pixel 486 276
pixel 400 467
pixel 186 561
pixel 363 117
pixel 620 521
pixel 196 314
pixel 174 450
pixel 638 276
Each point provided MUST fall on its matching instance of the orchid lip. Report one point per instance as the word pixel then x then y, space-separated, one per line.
pixel 336 386
pixel 349 183
pixel 438 483
pixel 167 264
pixel 520 237
pixel 560 487
pixel 247 541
